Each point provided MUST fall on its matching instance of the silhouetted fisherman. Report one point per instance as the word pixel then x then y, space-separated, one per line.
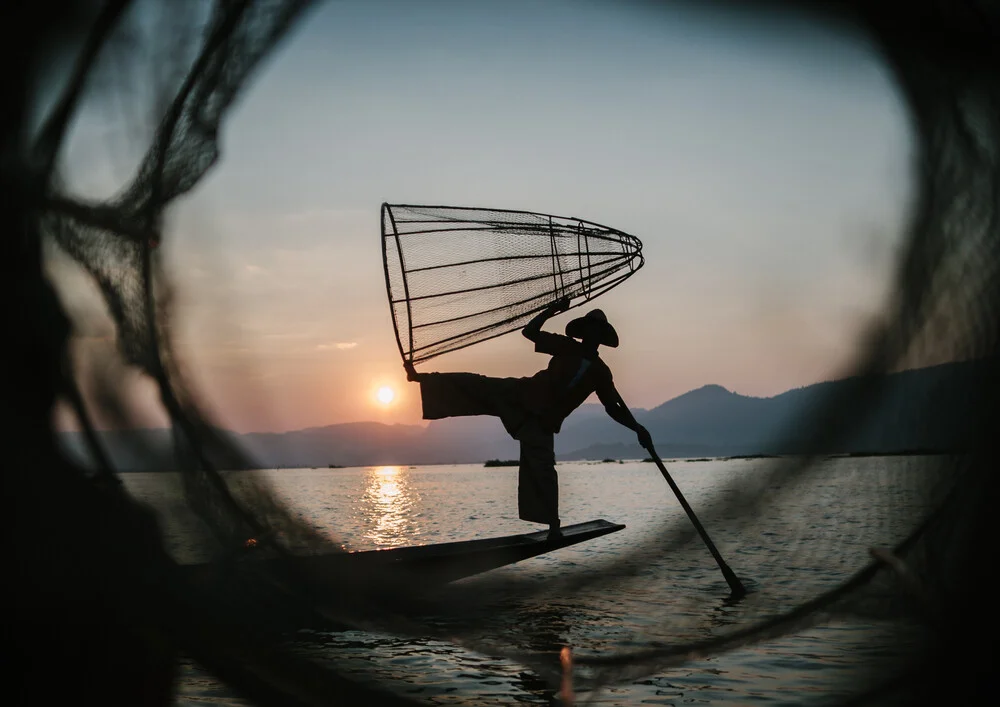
pixel 532 409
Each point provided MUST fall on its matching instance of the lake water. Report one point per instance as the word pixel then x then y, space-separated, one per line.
pixel 804 542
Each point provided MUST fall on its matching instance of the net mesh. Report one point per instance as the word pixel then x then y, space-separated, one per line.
pixel 457 276
pixel 933 514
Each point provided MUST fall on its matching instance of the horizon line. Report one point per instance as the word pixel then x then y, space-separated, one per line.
pixel 426 423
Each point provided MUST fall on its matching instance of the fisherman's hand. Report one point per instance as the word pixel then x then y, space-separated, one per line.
pixel 645 440
pixel 560 305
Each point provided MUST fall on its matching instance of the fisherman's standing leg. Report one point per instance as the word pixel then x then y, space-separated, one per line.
pixel 537 482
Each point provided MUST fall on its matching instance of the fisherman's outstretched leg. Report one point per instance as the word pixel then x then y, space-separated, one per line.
pixel 537 482
pixel 462 394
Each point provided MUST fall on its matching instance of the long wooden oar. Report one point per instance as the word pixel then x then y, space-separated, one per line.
pixel 734 582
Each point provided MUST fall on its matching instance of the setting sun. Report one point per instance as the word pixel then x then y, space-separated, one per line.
pixel 385 395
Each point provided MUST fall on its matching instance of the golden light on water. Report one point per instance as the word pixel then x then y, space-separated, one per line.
pixel 387 505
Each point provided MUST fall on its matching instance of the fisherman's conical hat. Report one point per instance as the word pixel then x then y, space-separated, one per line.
pixel 595 318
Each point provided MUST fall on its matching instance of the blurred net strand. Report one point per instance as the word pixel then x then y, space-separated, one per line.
pixel 609 669
pixel 806 615
pixel 189 127
pixel 909 582
pixel 45 150
pixel 136 217
pixel 932 236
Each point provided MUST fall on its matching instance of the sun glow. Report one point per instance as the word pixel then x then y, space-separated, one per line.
pixel 385 395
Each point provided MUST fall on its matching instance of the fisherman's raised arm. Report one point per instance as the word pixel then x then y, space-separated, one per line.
pixel 533 328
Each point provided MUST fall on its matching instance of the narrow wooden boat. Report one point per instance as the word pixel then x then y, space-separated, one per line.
pixel 444 562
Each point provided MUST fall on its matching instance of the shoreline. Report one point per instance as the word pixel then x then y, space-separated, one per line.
pixel 513 464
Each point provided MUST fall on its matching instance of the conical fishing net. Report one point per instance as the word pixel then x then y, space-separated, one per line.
pixel 927 518
pixel 459 276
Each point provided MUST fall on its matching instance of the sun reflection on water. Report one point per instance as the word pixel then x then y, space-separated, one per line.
pixel 388 505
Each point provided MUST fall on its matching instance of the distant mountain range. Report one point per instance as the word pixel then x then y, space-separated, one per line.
pixel 923 409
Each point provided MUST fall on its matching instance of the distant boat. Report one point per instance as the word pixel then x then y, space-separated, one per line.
pixel 502 462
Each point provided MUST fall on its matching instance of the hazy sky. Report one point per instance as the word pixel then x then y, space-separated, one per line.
pixel 764 166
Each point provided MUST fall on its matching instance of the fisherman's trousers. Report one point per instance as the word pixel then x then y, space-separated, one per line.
pixel 463 394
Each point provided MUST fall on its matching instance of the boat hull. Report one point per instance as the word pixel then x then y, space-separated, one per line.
pixel 437 563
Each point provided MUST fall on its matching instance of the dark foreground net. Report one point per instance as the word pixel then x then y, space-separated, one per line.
pixel 459 276
pixel 930 520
